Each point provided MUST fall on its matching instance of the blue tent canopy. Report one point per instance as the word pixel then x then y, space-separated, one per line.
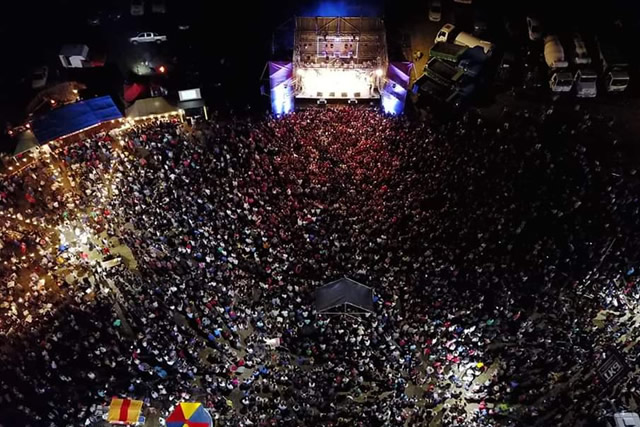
pixel 74 117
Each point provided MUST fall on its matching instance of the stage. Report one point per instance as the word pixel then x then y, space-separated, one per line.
pixel 338 60
pixel 336 83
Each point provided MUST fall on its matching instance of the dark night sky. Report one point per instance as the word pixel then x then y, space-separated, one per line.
pixel 31 30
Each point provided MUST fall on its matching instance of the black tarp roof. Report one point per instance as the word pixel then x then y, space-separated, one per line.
pixel 343 291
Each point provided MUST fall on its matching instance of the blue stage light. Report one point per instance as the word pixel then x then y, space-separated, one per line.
pixel 343 8
pixel 391 104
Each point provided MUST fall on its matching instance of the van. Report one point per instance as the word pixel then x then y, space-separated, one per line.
pixel 580 53
pixel 137 7
pixel 435 11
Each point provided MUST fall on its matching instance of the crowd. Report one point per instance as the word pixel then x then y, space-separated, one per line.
pixel 502 258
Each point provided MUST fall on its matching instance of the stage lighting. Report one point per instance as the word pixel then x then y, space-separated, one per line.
pixel 391 105
pixel 379 72
pixel 300 71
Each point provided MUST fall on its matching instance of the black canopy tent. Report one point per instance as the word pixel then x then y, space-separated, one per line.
pixel 334 297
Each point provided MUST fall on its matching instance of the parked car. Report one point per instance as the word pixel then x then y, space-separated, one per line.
pixel 613 63
pixel 435 11
pixel 137 7
pixel 158 6
pixel 95 16
pixel 580 53
pixel 94 20
pixel 114 15
pixel 535 29
pixel 148 38
pixel 39 77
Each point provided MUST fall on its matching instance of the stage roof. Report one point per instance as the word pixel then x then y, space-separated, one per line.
pixel 74 117
pixel 339 24
pixel 350 40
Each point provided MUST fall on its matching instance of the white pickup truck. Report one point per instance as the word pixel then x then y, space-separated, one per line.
pixel 148 38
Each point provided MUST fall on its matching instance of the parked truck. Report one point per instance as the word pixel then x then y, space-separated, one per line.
pixel 447 51
pixel 613 66
pixel 585 77
pixel 450 34
pixel 452 95
pixel 586 83
pixel 560 79
pixel 444 72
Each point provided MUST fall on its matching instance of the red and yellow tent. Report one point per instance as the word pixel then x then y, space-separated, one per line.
pixel 189 414
pixel 124 411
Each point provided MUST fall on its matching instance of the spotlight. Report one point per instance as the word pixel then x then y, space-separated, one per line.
pixel 379 72
pixel 299 72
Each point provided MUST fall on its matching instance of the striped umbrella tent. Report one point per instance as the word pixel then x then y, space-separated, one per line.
pixel 189 414
pixel 124 411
